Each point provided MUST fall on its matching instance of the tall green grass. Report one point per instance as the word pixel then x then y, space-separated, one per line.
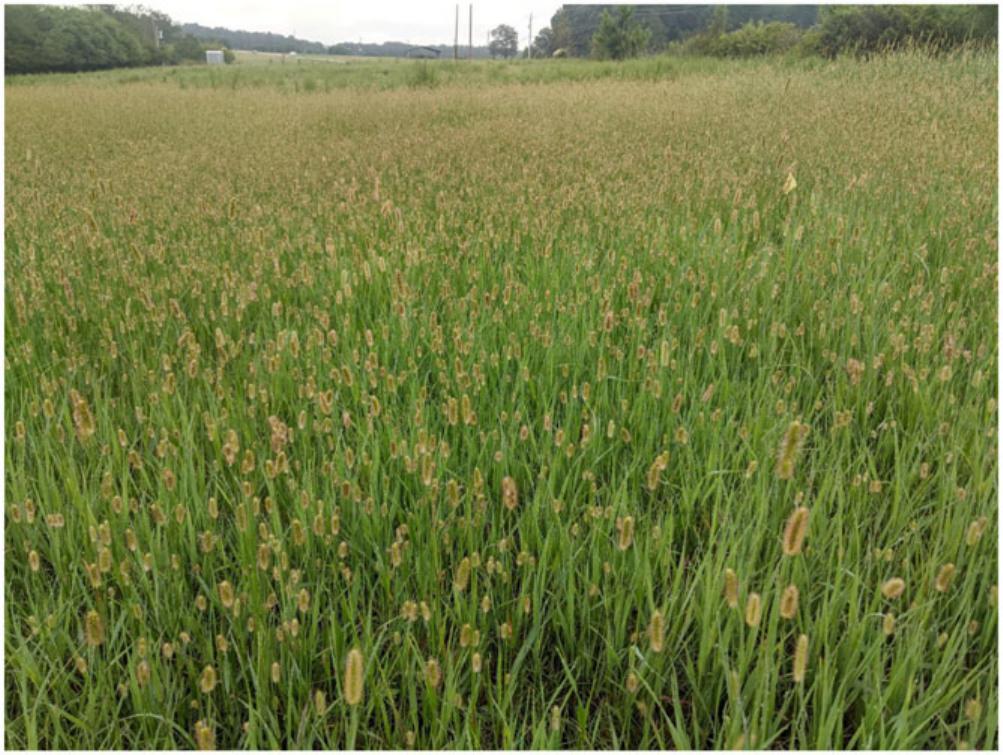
pixel 502 372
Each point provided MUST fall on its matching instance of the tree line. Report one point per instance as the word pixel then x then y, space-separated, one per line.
pixel 617 32
pixel 44 38
pixel 262 41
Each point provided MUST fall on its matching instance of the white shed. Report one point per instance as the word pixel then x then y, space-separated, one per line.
pixel 214 57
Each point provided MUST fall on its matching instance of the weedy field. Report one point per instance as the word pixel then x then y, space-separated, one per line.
pixel 649 412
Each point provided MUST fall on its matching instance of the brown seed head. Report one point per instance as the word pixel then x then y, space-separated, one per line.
pixel 794 532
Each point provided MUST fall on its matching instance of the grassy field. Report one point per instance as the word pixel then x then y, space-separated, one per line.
pixel 311 74
pixel 646 406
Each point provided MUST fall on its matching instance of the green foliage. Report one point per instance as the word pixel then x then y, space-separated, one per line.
pixel 188 48
pixel 871 28
pixel 619 36
pixel 575 25
pixel 42 39
pixel 754 38
pixel 857 28
pixel 543 45
pixel 504 41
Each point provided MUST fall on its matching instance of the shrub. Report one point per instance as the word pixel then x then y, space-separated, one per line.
pixel 756 38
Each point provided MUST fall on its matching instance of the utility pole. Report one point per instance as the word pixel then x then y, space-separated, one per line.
pixel 456 34
pixel 470 40
pixel 530 44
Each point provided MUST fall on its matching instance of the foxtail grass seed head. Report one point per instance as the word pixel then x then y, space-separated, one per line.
pixel 974 532
pixel 944 578
pixel 354 677
pixel 205 736
pixel 800 658
pixel 303 600
pixel 433 673
pixel 789 602
pixel 625 526
pixel 888 624
pixel 794 531
pixel 93 628
pixel 753 609
pixel 731 588
pixel 469 637
pixel 510 494
pixel 633 683
pixel 207 681
pixel 790 184
pixel 656 632
pixel 973 709
pixel 226 594
pixel 893 588
pixel 462 577
pixel 790 448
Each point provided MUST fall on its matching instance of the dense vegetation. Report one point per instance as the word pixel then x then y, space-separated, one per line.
pixel 254 40
pixel 874 28
pixel 741 31
pixel 40 38
pixel 574 26
pixel 651 404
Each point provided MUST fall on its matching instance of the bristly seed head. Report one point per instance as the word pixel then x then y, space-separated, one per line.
pixel 731 588
pixel 893 588
pixel 789 602
pixel 753 609
pixel 944 578
pixel 800 658
pixel 656 632
pixel 794 532
pixel 353 676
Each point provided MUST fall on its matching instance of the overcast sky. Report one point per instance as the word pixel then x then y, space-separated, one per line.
pixel 368 20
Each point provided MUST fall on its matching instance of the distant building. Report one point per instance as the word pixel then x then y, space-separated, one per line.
pixel 214 57
pixel 422 52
